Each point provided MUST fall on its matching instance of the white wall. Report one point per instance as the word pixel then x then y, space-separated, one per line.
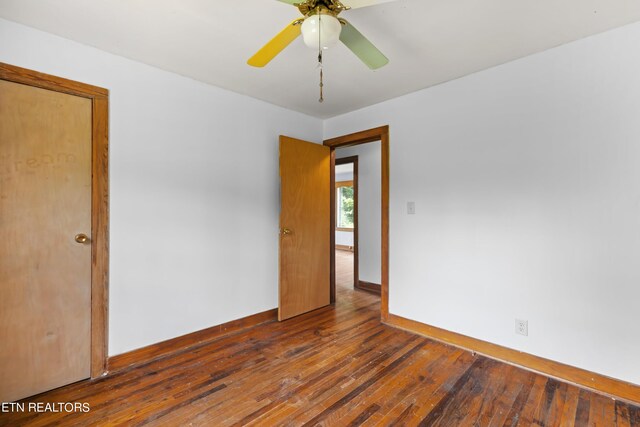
pixel 369 197
pixel 190 247
pixel 344 238
pixel 344 176
pixel 526 179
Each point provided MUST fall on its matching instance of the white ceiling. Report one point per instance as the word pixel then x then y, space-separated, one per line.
pixel 427 41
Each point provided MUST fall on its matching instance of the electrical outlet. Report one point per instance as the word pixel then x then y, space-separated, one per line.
pixel 522 327
pixel 411 208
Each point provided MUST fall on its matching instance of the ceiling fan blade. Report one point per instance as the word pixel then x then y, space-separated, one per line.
pixel 276 45
pixel 355 4
pixel 363 48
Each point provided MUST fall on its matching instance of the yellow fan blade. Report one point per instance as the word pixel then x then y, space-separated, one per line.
pixel 276 45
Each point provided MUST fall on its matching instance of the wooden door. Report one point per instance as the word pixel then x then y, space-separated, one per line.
pixel 45 270
pixel 304 227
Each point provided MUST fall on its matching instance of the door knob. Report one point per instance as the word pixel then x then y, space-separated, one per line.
pixel 81 238
pixel 285 231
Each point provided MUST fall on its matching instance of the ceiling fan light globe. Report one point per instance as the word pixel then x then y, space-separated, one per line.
pixel 325 27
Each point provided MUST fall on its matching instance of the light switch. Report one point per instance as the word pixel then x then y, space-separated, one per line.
pixel 411 208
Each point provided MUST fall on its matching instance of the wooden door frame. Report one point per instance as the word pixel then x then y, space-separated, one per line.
pixel 99 196
pixel 356 264
pixel 376 134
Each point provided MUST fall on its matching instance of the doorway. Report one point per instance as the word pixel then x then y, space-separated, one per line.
pixel 346 231
pixel 307 256
pixel 54 229
pixel 381 135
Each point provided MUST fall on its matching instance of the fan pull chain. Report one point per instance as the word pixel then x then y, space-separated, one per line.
pixel 321 76
pixel 320 54
pixel 321 85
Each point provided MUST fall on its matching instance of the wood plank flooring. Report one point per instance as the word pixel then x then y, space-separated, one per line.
pixel 335 366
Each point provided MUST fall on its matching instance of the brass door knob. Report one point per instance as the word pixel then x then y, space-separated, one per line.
pixel 285 231
pixel 81 238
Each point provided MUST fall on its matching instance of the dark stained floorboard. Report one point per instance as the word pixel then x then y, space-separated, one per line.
pixel 335 366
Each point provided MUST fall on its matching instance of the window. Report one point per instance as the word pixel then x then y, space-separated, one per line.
pixel 344 205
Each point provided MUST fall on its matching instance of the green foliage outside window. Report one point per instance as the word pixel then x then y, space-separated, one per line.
pixel 345 207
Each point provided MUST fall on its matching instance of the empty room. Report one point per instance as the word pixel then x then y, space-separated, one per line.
pixel 319 212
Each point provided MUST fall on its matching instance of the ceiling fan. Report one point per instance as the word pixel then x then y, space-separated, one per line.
pixel 321 28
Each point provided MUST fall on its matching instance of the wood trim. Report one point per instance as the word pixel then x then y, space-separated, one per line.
pixel 344 248
pixel 611 387
pixel 46 81
pixel 99 197
pixel 183 342
pixel 344 183
pixel 346 230
pixel 369 287
pixel 358 138
pixel 100 237
pixel 356 219
pixel 384 297
pixel 332 227
pixel 376 134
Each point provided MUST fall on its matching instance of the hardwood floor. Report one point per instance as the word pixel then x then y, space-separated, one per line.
pixel 335 366
pixel 344 271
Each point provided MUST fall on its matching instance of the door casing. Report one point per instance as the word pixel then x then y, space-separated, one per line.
pixel 99 196
pixel 371 135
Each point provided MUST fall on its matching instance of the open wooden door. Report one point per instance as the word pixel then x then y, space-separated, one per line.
pixel 304 227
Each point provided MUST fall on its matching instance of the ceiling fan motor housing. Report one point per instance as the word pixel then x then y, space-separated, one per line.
pixel 321 29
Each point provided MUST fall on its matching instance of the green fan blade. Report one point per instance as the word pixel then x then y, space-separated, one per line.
pixel 363 48
pixel 355 4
